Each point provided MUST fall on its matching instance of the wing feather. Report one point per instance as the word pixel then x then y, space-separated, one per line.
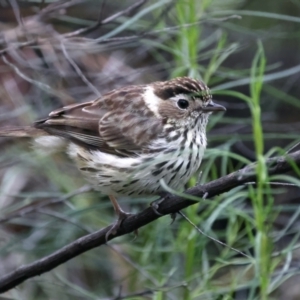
pixel 117 123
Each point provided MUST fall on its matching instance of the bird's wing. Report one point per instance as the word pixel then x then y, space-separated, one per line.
pixel 128 131
pixel 117 123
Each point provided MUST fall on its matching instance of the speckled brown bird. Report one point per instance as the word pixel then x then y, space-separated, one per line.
pixel 131 138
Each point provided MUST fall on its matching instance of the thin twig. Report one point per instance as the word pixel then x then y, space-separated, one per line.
pixel 165 29
pixel 36 207
pixel 78 71
pixel 53 7
pixel 293 147
pixel 16 11
pixel 107 20
pixel 37 83
pixel 63 218
pixel 212 238
pixel 134 265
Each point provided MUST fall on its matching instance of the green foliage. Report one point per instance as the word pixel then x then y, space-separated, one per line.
pixel 172 261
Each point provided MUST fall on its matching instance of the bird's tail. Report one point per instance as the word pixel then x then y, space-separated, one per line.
pixel 25 131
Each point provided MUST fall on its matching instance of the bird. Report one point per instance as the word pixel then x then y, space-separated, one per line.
pixel 131 138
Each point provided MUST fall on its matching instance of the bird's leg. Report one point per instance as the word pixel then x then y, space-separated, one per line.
pixel 122 215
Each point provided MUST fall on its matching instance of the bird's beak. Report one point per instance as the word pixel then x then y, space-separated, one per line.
pixel 212 107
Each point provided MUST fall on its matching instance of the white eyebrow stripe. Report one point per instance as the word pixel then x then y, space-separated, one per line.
pixel 152 101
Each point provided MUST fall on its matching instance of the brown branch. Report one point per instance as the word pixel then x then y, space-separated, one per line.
pixel 171 204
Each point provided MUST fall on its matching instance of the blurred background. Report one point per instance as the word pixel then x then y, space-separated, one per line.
pixel 54 53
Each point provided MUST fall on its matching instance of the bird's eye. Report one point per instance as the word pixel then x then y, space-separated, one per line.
pixel 183 104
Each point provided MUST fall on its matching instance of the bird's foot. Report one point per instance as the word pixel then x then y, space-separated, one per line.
pixel 122 215
pixel 155 205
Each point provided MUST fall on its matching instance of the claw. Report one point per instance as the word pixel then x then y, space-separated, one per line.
pixel 155 205
pixel 122 215
pixel 173 217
